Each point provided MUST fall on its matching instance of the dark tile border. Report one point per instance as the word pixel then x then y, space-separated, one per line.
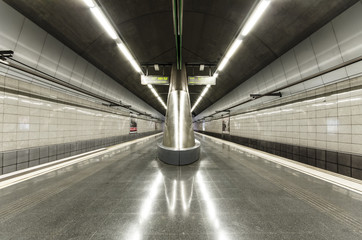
pixel 11 161
pixel 344 163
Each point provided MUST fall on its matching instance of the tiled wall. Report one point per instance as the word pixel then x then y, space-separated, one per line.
pixel 39 121
pixel 318 121
pixel 32 116
pixel 39 124
pixel 38 49
pixel 337 42
pixel 327 119
pixel 11 161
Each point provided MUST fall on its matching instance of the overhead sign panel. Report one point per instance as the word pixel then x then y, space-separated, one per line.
pixel 154 80
pixel 201 80
pixel 164 80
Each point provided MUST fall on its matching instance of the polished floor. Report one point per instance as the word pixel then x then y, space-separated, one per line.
pixel 131 195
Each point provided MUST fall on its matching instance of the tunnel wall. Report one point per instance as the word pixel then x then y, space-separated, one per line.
pixel 318 122
pixel 42 122
pixel 36 48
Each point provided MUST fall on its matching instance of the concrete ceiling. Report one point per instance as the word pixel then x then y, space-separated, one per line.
pixel 209 27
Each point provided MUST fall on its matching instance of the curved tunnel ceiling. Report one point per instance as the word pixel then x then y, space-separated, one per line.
pixel 209 26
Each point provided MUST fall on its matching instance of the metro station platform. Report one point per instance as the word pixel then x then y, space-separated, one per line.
pixel 125 192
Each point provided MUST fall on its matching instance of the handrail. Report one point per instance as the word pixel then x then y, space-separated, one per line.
pixel 35 72
pixel 328 70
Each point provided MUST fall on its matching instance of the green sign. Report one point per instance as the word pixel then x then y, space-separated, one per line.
pixel 201 80
pixel 154 80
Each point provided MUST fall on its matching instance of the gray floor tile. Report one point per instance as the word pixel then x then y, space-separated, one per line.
pixel 131 195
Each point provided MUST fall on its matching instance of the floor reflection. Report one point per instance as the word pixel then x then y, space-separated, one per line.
pixel 210 206
pixel 178 185
pixel 136 230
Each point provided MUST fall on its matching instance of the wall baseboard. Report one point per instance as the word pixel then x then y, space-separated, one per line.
pixel 343 163
pixel 19 159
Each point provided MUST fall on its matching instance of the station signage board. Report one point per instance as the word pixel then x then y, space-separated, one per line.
pixel 201 80
pixel 155 80
pixel 133 124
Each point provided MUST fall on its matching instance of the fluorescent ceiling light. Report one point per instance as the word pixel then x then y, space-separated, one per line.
pixel 205 90
pixel 229 54
pixel 97 12
pixel 129 57
pixel 250 23
pixel 223 64
pixel 135 66
pixel 233 48
pixel 156 95
pixel 196 103
pixel 201 96
pixel 255 16
pixel 125 51
pixel 154 92
pixel 104 22
pixel 89 3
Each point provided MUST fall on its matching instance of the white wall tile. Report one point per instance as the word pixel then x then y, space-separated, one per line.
pixel 348 30
pixel 280 79
pixel 30 44
pixel 88 77
pixel 338 41
pixel 326 48
pixel 31 122
pixel 313 83
pixel 306 58
pixel 11 23
pixel 66 64
pixel 338 74
pixel 331 122
pixel 50 55
pixel 354 69
pixel 78 72
pixel 33 46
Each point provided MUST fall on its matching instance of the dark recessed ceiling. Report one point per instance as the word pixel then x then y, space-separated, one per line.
pixel 209 27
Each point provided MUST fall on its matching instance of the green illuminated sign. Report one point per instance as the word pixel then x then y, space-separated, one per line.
pixel 201 80
pixel 154 80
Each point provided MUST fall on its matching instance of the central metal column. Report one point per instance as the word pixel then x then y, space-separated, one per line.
pixel 179 146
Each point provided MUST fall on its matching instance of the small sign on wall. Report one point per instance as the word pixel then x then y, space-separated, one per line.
pixel 226 124
pixel 133 124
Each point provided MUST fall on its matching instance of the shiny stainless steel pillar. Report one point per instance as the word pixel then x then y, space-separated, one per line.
pixel 179 146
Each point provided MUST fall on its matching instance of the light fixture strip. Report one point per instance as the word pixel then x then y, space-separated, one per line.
pixel 153 90
pixel 250 23
pixel 99 15
pixel 97 12
pixel 255 16
pixel 196 103
pixel 102 19
pixel 201 96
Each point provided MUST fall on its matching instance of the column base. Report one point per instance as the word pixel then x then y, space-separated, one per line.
pixel 178 157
